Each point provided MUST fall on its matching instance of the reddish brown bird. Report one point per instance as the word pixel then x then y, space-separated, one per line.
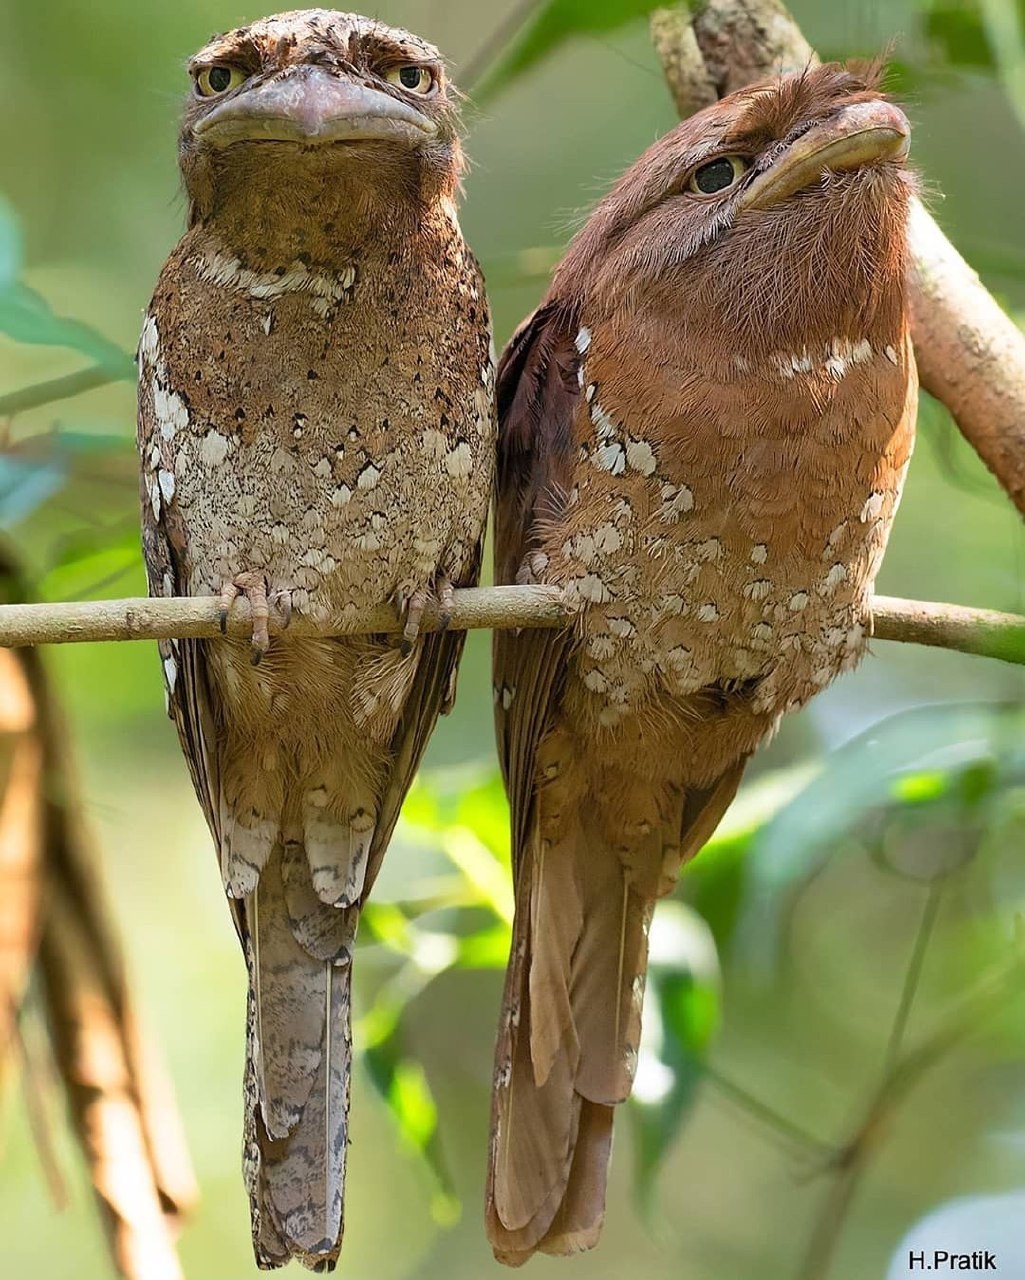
pixel 316 428
pixel 704 431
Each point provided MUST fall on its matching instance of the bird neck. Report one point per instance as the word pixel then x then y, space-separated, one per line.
pixel 830 266
pixel 325 215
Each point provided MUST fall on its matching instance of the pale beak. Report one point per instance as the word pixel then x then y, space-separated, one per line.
pixel 864 133
pixel 311 106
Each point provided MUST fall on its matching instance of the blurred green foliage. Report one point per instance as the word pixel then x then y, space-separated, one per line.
pixel 535 30
pixel 26 317
pixel 846 952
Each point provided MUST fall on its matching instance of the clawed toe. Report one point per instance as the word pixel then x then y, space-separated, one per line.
pixel 446 603
pixel 229 594
pixel 282 601
pixel 416 606
pixel 254 587
pixel 414 616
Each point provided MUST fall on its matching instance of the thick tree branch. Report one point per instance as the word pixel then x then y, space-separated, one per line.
pixel 946 626
pixel 970 354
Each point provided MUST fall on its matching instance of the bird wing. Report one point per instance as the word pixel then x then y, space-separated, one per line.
pixel 431 694
pixel 538 394
pixel 188 695
pixel 570 1022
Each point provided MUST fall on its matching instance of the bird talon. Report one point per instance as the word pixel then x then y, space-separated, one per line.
pixel 414 616
pixel 259 644
pixel 282 601
pixel 254 587
pixel 446 603
pixel 229 594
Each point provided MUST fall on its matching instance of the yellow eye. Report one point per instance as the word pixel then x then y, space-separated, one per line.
pixel 213 81
pixel 718 175
pixel 413 79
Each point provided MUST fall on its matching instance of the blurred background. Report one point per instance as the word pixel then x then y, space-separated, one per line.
pixel 846 954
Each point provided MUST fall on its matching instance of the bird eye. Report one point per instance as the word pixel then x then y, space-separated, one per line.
pixel 718 175
pixel 218 79
pixel 414 79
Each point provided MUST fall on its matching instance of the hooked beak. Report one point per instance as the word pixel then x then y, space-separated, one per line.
pixel 861 134
pixel 312 106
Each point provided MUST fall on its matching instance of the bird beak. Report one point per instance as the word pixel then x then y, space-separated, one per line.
pixel 862 134
pixel 311 106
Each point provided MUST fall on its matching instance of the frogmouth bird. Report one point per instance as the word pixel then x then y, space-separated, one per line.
pixel 703 434
pixel 316 432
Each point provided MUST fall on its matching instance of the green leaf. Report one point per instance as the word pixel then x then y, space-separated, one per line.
pixel 921 788
pixel 387 924
pixel 883 790
pixel 39 466
pixel 956 29
pixel 681 1016
pixel 81 573
pixel 92 444
pixel 484 873
pixel 1002 22
pixel 402 1084
pixel 10 245
pixel 547 27
pixel 484 810
pixel 716 883
pixel 26 485
pixel 487 949
pixel 863 773
pixel 422 806
pixel 26 317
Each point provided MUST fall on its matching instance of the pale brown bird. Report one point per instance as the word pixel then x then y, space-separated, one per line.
pixel 316 429
pixel 704 431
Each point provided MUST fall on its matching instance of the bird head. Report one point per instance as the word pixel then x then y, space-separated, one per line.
pixel 773 217
pixel 315 102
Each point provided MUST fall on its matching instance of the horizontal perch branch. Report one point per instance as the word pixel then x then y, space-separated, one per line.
pixel 946 626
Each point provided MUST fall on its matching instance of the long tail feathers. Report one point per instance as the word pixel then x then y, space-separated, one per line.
pixel 298 1058
pixel 571 1015
pixel 567 1045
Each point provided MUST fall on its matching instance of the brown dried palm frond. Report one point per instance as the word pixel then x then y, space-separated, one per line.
pixel 58 948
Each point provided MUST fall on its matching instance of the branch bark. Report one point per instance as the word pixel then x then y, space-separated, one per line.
pixel 946 626
pixel 971 355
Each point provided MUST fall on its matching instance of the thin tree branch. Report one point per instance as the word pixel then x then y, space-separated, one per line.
pixel 511 23
pixel 852 1160
pixel 971 356
pixel 983 632
pixel 923 936
pixel 781 1125
pixel 72 384
pixel 197 617
pixel 946 626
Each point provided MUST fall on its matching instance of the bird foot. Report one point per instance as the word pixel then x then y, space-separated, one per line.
pixel 446 602
pixel 416 605
pixel 255 589
pixel 531 570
